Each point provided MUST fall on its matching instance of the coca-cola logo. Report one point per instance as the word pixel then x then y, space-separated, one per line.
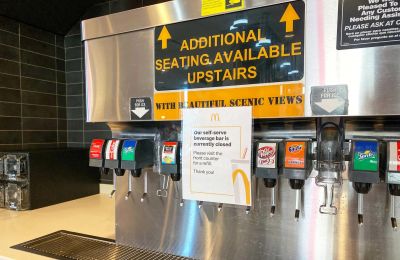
pixel 266 152
pixel 295 148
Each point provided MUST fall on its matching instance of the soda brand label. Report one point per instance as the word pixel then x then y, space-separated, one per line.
pixel 266 155
pixel 295 155
pixel 169 153
pixel 366 156
pixel 96 149
pixel 112 149
pixel 394 156
pixel 128 150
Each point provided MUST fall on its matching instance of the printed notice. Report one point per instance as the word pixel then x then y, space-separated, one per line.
pixel 216 153
pixel 368 23
pixel 210 7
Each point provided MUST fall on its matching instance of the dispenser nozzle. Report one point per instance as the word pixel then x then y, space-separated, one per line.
pixel 200 205
pixel 393 212
pixel 298 199
pixel 360 209
pixel 114 184
pixel 220 207
pixel 272 213
pixel 129 186
pixel 248 210
pixel 145 187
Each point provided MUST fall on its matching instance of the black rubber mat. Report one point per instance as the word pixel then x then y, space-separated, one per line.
pixel 69 245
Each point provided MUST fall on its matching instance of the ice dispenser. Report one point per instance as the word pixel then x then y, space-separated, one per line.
pixel 136 155
pixel 330 161
pixel 297 166
pixel 15 167
pixel 267 165
pixel 393 176
pixel 364 169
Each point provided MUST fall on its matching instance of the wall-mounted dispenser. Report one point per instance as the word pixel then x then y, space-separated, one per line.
pixel 297 167
pixel 267 166
pixel 393 176
pixel 364 170
pixel 136 155
pixel 330 160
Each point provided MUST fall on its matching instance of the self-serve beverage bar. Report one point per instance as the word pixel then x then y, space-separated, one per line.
pixel 224 113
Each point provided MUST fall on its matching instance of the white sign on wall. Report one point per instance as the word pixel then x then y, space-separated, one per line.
pixel 216 155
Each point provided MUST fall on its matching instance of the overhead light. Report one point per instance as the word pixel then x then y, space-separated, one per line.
pixel 263 41
pixel 238 22
pixel 293 72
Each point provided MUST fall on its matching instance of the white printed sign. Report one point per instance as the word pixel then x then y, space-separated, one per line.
pixel 216 155
pixel 266 155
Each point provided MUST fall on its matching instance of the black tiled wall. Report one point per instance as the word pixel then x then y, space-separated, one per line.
pixel 32 88
pixel 81 133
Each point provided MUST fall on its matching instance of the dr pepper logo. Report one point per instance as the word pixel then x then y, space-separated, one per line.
pixel 295 148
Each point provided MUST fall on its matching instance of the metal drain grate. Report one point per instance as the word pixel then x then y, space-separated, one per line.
pixel 69 245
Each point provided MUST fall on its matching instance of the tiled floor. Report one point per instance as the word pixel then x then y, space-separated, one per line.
pixel 92 215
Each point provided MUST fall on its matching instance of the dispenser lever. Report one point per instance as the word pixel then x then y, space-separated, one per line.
pixel 145 187
pixel 129 185
pixel 114 184
pixel 273 205
pixel 328 200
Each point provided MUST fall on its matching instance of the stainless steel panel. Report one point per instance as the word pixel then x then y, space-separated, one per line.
pixel 120 65
pixel 117 68
pixel 151 16
pixel 161 224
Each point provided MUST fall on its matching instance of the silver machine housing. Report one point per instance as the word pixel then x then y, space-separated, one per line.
pixel 119 57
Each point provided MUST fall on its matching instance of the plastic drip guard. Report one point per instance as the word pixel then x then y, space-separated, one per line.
pixel 69 245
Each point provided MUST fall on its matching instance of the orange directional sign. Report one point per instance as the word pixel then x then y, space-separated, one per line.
pixel 289 16
pixel 164 37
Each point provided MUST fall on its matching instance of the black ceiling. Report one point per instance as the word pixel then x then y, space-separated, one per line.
pixel 56 16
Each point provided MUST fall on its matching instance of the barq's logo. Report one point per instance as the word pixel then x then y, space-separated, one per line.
pixel 365 155
pixel 215 117
pixel 295 148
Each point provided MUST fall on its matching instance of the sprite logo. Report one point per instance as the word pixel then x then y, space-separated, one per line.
pixel 366 155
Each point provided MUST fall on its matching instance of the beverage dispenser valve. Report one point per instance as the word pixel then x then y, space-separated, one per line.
pixel 330 161
pixel 135 156
pixel 112 161
pixel 267 166
pixel 364 170
pixel 170 167
pixel 393 177
pixel 297 167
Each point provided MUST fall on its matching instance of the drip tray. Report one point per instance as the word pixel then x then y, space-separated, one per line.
pixel 68 245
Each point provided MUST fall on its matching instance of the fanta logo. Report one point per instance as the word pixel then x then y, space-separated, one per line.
pixel 295 148
pixel 365 155
pixel 266 152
